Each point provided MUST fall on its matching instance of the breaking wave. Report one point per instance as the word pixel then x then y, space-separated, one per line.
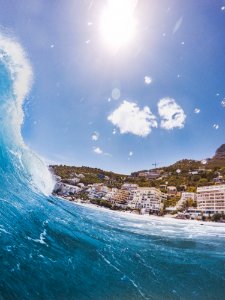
pixel 53 249
pixel 16 159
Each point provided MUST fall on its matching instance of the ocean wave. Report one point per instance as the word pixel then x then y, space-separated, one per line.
pixel 16 82
pixel 53 249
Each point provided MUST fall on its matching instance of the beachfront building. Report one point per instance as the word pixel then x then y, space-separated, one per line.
pixel 110 194
pixel 97 190
pixel 184 197
pixel 148 198
pixel 65 190
pixel 211 199
pixel 119 196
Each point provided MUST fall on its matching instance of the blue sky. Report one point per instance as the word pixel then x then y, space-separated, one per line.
pixel 71 116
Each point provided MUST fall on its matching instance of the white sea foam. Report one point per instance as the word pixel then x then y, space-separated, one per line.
pixel 14 58
pixel 162 226
pixel 41 239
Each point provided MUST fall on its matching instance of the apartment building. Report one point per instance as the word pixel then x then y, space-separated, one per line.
pixel 146 198
pixel 171 190
pixel 97 191
pixel 120 196
pixel 184 197
pixel 129 186
pixel 211 199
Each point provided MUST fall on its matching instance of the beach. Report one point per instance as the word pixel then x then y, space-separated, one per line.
pixel 167 219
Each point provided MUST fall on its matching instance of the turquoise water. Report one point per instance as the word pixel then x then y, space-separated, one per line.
pixel 53 249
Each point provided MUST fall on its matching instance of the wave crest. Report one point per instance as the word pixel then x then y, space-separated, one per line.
pixel 17 80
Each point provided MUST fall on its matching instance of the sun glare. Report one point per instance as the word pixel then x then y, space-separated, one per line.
pixel 117 24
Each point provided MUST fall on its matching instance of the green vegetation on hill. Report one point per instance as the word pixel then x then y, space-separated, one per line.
pixel 183 180
pixel 184 165
pixel 91 175
pixel 185 174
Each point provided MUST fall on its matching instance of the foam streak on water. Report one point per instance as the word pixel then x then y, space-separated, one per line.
pixel 53 249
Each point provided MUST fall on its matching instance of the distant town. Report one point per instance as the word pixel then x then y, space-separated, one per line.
pixel 189 189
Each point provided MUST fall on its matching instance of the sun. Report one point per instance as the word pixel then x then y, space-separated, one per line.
pixel 117 23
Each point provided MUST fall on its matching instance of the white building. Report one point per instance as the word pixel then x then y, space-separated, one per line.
pixel 188 195
pixel 211 199
pixel 146 198
pixel 110 194
pixel 97 190
pixel 171 190
pixel 184 197
pixel 129 186
pixel 64 189
pixel 73 180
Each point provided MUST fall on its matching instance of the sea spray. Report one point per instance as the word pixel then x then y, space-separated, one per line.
pixel 16 79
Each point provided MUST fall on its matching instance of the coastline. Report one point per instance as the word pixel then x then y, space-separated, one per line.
pixel 146 217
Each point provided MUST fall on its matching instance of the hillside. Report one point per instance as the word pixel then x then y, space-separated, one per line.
pixel 91 175
pixel 218 160
pixel 184 174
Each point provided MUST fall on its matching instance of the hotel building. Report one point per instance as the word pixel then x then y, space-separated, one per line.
pixel 146 198
pixel 211 199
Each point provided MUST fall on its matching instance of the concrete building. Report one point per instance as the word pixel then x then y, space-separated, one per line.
pixel 184 197
pixel 211 199
pixel 146 198
pixel 63 189
pixel 153 175
pixel 97 190
pixel 119 196
pixel 171 190
pixel 129 186
pixel 195 172
pixel 218 179
pixel 73 181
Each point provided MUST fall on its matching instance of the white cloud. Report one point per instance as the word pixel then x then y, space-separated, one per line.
pixel 197 110
pixel 148 80
pixel 223 102
pixel 114 131
pixel 131 153
pixel 98 150
pixel 223 8
pixel 216 126
pixel 129 118
pixel 171 113
pixel 95 136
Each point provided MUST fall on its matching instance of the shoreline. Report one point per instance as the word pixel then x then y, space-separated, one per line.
pixel 146 217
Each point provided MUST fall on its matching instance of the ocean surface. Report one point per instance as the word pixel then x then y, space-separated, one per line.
pixel 54 249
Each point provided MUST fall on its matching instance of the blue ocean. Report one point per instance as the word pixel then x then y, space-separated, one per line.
pixel 53 249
